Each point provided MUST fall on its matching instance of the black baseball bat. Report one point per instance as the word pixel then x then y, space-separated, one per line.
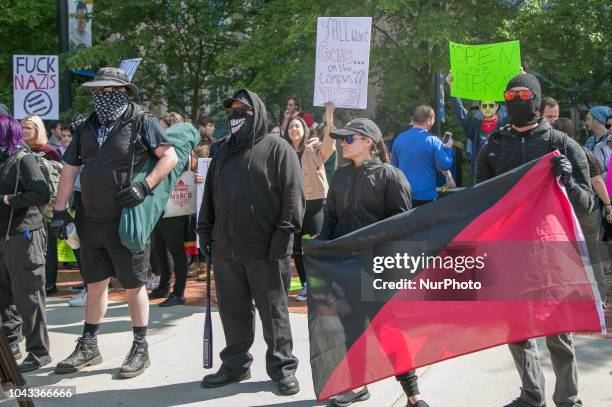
pixel 208 335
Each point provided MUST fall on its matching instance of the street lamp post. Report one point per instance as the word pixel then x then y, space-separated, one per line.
pixel 65 89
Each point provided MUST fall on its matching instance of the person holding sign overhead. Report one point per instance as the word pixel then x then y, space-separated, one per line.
pixel 477 128
pixel 312 154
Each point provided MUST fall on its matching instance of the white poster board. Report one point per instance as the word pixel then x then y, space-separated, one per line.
pixel 343 61
pixel 79 23
pixel 36 86
pixel 203 164
pixel 130 66
pixel 183 197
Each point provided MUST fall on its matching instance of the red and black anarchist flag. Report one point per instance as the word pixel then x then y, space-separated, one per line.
pixel 498 263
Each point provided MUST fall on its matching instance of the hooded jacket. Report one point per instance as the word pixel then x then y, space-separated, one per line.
pixel 508 149
pixel 253 195
pixel 360 196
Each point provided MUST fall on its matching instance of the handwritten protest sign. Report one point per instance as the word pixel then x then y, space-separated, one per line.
pixel 481 72
pixel 79 23
pixel 36 86
pixel 342 61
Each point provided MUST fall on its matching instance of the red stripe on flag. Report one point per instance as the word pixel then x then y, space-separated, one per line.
pixel 408 333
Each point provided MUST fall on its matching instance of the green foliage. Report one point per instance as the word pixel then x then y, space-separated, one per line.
pixel 26 27
pixel 180 41
pixel 568 45
pixel 197 51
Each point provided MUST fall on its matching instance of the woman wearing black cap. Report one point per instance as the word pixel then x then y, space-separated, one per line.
pixel 365 191
pixel 312 155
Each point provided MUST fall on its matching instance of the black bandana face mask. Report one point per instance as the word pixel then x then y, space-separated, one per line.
pixel 109 105
pixel 240 124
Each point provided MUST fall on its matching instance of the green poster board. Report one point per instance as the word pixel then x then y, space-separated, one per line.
pixel 64 252
pixel 481 72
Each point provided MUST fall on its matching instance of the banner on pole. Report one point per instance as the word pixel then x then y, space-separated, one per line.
pixel 343 61
pixel 36 86
pixel 79 23
pixel 481 72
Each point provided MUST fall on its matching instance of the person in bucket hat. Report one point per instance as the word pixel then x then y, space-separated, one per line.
pixel 112 145
pixel 112 78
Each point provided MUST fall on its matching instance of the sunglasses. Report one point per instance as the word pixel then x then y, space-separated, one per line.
pixel 608 125
pixel 238 111
pixel 350 138
pixel 488 105
pixel 510 95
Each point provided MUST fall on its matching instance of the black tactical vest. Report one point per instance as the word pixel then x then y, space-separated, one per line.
pixel 107 168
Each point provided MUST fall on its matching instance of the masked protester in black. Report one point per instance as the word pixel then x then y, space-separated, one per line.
pixel 527 138
pixel 23 242
pixel 113 144
pixel 253 204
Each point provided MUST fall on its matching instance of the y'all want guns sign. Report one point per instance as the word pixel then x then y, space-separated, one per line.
pixel 342 61
pixel 481 72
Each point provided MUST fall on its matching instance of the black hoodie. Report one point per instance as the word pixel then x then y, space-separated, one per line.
pixel 508 149
pixel 253 195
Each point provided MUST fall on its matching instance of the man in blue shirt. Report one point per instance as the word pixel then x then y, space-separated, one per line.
pixel 418 153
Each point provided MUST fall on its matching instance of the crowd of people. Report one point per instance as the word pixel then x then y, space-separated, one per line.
pixel 270 185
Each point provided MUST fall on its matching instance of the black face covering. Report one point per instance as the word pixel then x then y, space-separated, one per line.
pixel 522 112
pixel 241 129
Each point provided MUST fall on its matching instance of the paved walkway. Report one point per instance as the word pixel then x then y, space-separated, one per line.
pixel 486 378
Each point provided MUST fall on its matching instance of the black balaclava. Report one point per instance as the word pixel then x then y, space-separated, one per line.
pixel 109 105
pixel 524 112
pixel 241 125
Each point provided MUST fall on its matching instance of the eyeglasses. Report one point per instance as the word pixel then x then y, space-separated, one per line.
pixel 238 111
pixel 510 95
pixel 488 106
pixel 350 138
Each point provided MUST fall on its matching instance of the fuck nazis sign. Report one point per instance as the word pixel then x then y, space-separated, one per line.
pixel 36 86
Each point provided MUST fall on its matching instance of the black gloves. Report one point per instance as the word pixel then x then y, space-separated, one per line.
pixel 279 245
pixel 57 226
pixel 563 167
pixel 133 195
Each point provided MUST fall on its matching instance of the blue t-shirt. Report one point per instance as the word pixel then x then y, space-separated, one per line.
pixel 418 153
